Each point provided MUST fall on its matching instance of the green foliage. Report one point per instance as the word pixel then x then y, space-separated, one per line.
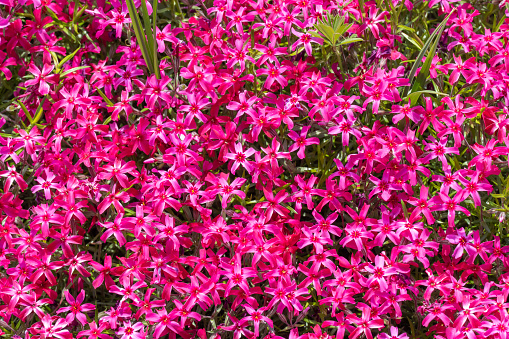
pixel 332 28
pixel 145 36
pixel 432 42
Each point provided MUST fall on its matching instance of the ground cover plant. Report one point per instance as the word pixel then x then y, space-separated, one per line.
pixel 259 169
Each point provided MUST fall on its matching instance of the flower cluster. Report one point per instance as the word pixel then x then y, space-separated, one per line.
pixel 261 169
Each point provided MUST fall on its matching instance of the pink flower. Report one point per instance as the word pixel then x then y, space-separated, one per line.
pixel 364 324
pixel 76 308
pixel 305 39
pixel 42 77
pixel 301 141
pixel 130 331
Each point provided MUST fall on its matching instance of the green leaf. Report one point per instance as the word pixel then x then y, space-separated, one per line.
pixel 69 33
pixel 412 40
pixel 423 74
pixel 74 69
pixel 24 108
pixel 350 41
pixel 406 28
pixel 405 211
pixel 361 7
pixel 456 163
pixel 38 114
pixel 327 31
pixel 148 31
pixel 107 120
pixel 337 22
pixel 74 13
pixel 315 34
pixel 108 101
pixel 80 13
pixel 67 58
pixel 343 28
pixel 414 96
pixel 154 30
pixel 497 27
pixel 332 28
pixel 77 14
pixel 55 17
pixel 140 36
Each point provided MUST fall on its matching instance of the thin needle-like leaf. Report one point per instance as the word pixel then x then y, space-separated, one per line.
pixel 148 30
pixel 140 37
pixel 67 58
pixel 38 115
pixel 154 31
pixel 23 107
pixel 350 40
pixel 436 34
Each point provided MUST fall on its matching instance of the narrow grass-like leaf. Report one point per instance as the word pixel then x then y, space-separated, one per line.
pixel 74 13
pixel 390 8
pixel 361 7
pixel 414 96
pixel 343 28
pixel 74 69
pixel 414 36
pixel 497 27
pixel 77 15
pixel 412 40
pixel 108 101
pixel 405 211
pixel 154 31
pixel 24 108
pixel 148 30
pixel 438 31
pixel 67 58
pixel 140 36
pixel 107 120
pixel 38 115
pixel 80 13
pixel 406 28
pixel 350 40
pixel 400 8
pixel 424 72
pixel 315 34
